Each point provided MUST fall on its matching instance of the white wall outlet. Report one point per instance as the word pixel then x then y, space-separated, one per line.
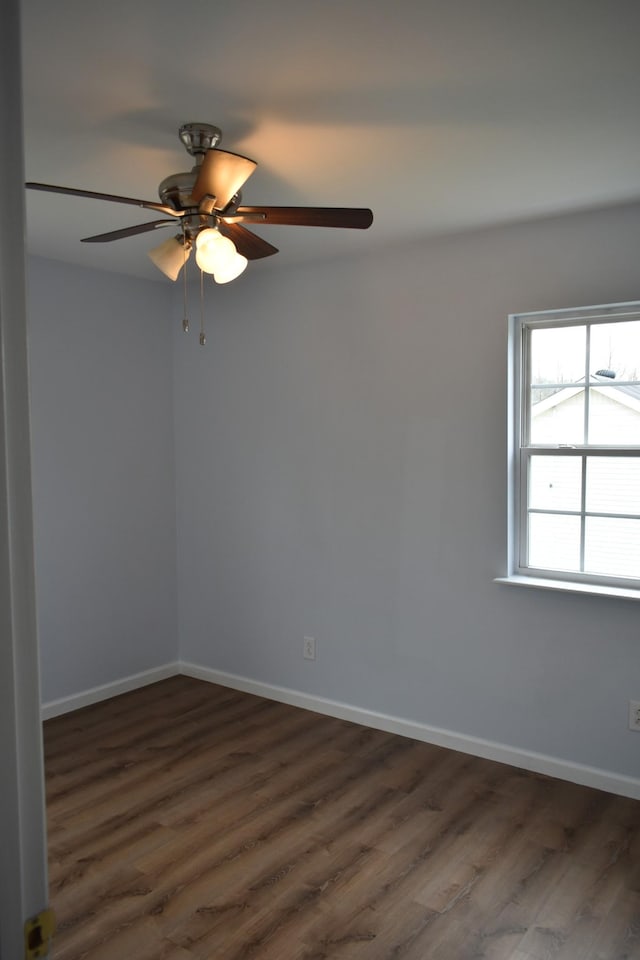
pixel 309 649
pixel 634 715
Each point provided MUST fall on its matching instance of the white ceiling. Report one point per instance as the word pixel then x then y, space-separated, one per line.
pixel 440 115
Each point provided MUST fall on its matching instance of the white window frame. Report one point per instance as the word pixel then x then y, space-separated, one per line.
pixel 520 453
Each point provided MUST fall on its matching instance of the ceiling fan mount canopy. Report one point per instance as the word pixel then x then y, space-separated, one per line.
pixel 199 137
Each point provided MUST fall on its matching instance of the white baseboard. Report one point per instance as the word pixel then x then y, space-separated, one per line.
pixel 536 762
pixel 54 708
pixel 477 747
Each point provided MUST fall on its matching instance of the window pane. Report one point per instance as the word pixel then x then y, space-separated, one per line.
pixel 554 542
pixel 557 418
pixel 614 415
pixel 612 547
pixel 555 483
pixel 616 347
pixel 558 354
pixel 580 388
pixel 613 484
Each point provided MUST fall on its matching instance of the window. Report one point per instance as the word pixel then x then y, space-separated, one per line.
pixel 575 448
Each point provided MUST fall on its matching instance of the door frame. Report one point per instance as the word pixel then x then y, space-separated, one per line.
pixel 23 840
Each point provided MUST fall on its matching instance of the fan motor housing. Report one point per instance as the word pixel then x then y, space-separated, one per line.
pixel 197 138
pixel 175 190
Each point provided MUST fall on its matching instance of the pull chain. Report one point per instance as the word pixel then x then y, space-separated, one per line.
pixel 185 318
pixel 203 338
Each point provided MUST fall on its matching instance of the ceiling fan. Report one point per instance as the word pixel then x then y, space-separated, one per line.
pixel 206 203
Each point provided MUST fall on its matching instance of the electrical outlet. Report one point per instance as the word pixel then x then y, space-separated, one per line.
pixel 309 649
pixel 634 715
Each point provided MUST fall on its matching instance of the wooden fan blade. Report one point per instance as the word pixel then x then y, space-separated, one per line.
pixel 72 192
pixel 128 231
pixel 358 218
pixel 249 244
pixel 221 176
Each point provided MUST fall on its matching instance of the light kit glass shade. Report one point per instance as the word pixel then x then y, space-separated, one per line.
pixel 230 269
pixel 170 256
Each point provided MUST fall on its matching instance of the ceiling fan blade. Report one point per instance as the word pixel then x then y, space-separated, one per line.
pixel 249 244
pixel 358 218
pixel 128 231
pixel 221 176
pixel 72 192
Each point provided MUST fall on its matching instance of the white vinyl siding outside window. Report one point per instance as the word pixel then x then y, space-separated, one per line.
pixel 574 513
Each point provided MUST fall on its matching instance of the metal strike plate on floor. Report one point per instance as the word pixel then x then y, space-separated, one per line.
pixel 38 933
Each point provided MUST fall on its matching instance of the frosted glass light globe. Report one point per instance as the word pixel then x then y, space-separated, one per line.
pixel 213 250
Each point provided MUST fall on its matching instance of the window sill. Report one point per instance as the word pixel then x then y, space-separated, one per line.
pixel 570 586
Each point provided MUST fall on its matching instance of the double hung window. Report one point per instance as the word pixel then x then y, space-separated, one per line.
pixel 575 447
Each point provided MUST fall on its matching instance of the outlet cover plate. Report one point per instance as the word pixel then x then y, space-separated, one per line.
pixel 309 648
pixel 634 715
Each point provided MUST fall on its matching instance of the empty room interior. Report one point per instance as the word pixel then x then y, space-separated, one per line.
pixel 337 613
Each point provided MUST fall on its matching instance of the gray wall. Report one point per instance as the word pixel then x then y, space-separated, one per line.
pixel 341 473
pixel 103 475
pixel 340 451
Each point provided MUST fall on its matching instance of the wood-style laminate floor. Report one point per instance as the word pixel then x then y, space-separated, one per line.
pixel 188 821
